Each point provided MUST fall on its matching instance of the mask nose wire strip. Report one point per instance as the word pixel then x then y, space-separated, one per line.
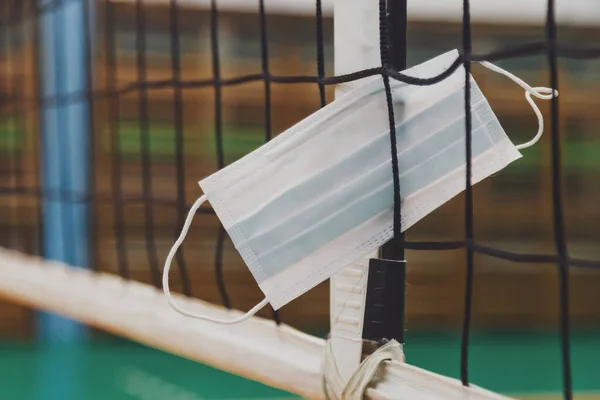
pixel 165 277
pixel 542 93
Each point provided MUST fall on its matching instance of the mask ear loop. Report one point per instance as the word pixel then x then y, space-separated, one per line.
pixel 165 277
pixel 542 93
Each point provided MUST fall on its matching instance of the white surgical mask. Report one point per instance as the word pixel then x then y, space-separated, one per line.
pixel 320 195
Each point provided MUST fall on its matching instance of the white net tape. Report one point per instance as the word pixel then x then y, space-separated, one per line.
pixel 281 356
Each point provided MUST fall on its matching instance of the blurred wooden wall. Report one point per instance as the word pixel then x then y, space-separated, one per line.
pixel 507 295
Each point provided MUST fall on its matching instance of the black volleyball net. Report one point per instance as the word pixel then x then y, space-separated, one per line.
pixel 111 111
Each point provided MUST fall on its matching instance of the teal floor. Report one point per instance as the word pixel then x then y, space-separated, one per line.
pixel 115 370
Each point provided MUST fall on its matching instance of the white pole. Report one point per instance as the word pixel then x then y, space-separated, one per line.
pixel 356 47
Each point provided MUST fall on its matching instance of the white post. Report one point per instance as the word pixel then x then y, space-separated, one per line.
pixel 356 47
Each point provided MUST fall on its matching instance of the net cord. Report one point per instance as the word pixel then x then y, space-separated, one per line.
pixel 560 240
pixel 469 223
pixel 146 159
pixel 179 140
pixel 264 45
pixel 550 47
pixel 113 113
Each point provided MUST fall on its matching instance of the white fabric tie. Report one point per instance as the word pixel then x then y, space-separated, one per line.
pixel 169 260
pixel 542 93
pixel 334 385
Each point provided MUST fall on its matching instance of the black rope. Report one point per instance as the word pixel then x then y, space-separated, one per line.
pixel 466 327
pixel 144 115
pixel 37 108
pixel 392 47
pixel 20 123
pixel 395 46
pixel 216 69
pixel 563 50
pixel 113 116
pixel 89 70
pixel 7 74
pixel 264 46
pixel 179 155
pixel 264 49
pixel 383 51
pixel 14 87
pixel 320 53
pixel 216 82
pixel 100 198
pixel 435 246
pixel 17 102
pixel 557 208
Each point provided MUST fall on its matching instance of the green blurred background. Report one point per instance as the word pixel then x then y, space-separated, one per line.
pixel 524 365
